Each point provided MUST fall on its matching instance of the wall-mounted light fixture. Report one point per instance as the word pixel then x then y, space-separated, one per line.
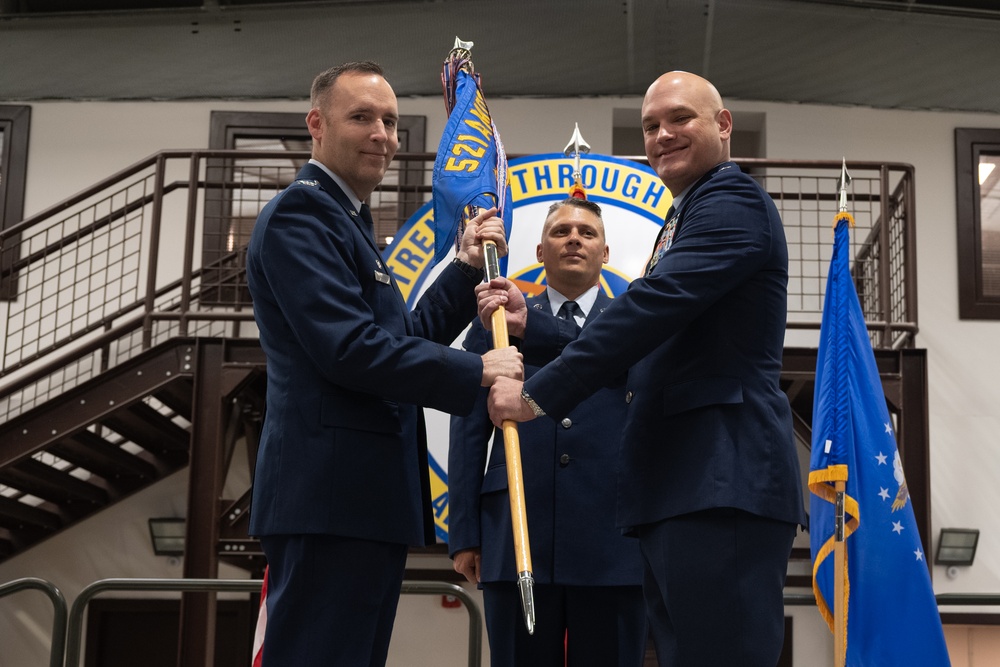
pixel 167 535
pixel 957 546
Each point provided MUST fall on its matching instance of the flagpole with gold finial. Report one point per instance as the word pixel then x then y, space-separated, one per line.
pixel 839 545
pixel 460 58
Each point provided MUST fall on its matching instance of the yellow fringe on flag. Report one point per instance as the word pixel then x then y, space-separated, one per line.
pixel 820 484
pixel 843 215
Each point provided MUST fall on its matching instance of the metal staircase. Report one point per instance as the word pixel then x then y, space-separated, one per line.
pixel 88 429
pixel 104 369
pixel 115 434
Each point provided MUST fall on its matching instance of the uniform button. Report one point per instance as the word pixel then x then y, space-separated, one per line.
pixel 566 422
pixel 628 397
pixel 564 460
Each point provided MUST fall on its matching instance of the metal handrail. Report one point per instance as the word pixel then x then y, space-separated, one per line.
pixel 799 599
pixel 58 616
pixel 968 599
pixel 57 353
pixel 66 634
pixel 75 626
pixel 475 618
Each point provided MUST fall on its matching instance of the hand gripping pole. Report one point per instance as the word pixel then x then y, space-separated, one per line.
pixel 515 479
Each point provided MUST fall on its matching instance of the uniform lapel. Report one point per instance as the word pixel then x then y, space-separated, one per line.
pixel 599 305
pixel 540 302
pixel 328 185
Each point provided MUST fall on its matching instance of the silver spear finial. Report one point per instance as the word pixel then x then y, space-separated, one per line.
pixel 576 146
pixel 842 183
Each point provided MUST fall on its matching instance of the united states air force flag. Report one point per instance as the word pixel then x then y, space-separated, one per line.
pixel 892 617
pixel 471 166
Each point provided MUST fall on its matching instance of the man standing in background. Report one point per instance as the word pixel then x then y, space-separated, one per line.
pixel 588 576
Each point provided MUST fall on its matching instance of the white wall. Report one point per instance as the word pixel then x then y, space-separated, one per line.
pixel 75 144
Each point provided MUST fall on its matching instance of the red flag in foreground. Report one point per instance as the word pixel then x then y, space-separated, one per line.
pixel 258 634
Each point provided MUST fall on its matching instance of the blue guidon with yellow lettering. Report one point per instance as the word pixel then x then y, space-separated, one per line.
pixel 633 202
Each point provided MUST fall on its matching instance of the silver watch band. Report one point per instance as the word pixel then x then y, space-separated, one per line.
pixel 535 407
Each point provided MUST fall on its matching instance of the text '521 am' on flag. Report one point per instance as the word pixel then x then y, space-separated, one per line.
pixel 892 617
pixel 470 168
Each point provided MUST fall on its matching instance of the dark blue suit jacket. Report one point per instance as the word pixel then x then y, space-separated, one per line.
pixel 570 502
pixel 702 339
pixel 343 449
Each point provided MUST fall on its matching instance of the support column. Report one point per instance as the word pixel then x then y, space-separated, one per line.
pixel 207 471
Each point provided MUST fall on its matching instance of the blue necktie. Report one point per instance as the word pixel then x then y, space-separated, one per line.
pixel 569 311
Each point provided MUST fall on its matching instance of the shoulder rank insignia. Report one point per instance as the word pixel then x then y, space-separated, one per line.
pixel 307 181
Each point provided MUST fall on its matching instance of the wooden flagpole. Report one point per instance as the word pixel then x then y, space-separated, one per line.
pixel 839 582
pixel 515 478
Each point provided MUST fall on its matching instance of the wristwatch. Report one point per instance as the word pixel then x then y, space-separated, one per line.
pixel 469 270
pixel 535 407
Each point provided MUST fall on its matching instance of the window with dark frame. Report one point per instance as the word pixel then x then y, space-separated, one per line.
pixel 977 189
pixel 14 125
pixel 236 189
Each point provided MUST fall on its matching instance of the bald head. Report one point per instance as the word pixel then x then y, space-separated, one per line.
pixel 694 88
pixel 685 128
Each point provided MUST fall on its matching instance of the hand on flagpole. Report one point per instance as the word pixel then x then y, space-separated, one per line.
pixel 505 402
pixel 503 362
pixel 484 227
pixel 502 292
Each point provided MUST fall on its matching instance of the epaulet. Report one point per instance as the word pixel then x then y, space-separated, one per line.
pixel 307 182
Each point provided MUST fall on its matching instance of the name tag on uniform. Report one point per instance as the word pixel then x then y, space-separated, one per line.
pixel 382 277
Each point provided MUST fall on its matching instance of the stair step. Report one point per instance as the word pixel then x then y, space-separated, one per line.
pixel 15 515
pixel 115 465
pixel 48 483
pixel 177 396
pixel 149 429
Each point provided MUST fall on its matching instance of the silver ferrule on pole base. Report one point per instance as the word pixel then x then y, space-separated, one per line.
pixel 526 584
pixel 492 261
